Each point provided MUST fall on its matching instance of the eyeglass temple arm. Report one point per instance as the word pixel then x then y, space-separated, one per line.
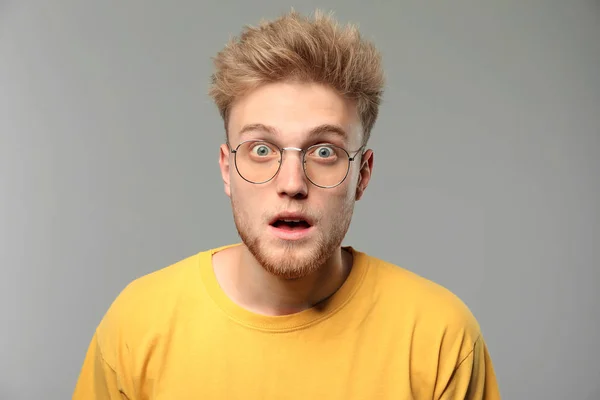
pixel 356 152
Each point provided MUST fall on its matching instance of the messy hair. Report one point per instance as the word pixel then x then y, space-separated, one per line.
pixel 297 48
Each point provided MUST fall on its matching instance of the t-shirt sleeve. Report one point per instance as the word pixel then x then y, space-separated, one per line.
pixel 97 378
pixel 474 378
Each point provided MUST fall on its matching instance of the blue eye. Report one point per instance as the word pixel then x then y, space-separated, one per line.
pixel 324 151
pixel 261 150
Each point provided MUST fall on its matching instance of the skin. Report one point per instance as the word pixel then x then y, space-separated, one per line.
pixel 266 274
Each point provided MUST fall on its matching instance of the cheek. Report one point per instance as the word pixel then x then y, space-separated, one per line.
pixel 241 188
pixel 347 191
pixel 247 197
pixel 338 201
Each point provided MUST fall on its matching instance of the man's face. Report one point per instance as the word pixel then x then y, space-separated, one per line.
pixel 286 114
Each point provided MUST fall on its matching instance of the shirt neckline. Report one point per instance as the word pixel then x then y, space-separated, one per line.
pixel 284 323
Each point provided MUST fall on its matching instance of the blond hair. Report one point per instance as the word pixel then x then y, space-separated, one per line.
pixel 296 48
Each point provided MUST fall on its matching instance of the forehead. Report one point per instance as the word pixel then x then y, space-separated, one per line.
pixel 294 110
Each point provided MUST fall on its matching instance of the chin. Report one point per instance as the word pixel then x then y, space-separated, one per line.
pixel 289 274
pixel 291 259
pixel 287 259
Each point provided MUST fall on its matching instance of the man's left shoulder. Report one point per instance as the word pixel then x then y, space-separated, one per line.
pixel 425 301
pixel 450 358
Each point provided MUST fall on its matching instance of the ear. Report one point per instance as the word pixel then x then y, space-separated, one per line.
pixel 224 157
pixel 364 175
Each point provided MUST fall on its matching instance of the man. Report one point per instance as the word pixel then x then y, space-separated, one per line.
pixel 289 313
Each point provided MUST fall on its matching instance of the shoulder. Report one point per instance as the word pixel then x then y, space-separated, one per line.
pixel 434 313
pixel 396 283
pixel 148 303
pixel 153 289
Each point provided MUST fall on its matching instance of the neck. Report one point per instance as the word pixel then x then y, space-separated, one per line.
pixel 247 283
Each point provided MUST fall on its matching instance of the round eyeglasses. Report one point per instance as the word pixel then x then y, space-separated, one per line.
pixel 325 165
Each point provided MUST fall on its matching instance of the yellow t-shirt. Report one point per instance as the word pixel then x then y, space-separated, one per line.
pixel 385 334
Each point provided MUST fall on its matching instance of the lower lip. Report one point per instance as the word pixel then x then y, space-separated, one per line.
pixel 291 234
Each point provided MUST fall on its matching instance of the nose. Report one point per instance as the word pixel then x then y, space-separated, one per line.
pixel 291 180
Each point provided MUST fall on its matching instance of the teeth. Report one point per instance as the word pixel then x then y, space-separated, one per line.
pixel 291 220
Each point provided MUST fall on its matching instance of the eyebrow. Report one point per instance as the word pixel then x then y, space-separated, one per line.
pixel 318 130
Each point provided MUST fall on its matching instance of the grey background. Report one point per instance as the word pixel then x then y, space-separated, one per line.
pixel 485 180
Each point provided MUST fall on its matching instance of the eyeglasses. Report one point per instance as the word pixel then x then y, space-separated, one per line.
pixel 325 165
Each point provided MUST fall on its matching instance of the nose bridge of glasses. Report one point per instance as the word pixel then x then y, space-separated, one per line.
pixel 294 166
pixel 295 149
pixel 292 148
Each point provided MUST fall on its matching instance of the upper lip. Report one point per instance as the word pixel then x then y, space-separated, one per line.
pixel 291 216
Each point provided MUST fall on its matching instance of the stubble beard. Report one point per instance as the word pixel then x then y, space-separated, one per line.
pixel 291 260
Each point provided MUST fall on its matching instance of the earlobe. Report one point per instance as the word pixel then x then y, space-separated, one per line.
pixel 364 175
pixel 359 192
pixel 225 168
pixel 359 187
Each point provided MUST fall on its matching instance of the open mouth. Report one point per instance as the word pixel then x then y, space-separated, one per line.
pixel 290 224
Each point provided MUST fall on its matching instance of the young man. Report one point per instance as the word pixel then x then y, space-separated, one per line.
pixel 289 313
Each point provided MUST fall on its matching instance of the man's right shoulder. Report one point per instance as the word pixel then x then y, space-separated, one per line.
pixel 147 303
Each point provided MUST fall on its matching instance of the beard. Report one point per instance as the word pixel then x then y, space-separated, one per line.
pixel 292 260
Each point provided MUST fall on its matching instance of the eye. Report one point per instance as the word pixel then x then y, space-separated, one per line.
pixel 261 149
pixel 324 151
